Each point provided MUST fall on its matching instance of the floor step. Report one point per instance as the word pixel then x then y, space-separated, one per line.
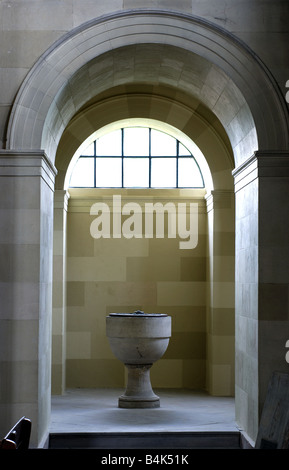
pixel 146 440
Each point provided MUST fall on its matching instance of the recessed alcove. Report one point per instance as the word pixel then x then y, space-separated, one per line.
pixel 152 274
pixel 205 82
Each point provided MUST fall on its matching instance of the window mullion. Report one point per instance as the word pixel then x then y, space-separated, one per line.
pixel 122 156
pixel 177 163
pixel 150 157
pixel 94 151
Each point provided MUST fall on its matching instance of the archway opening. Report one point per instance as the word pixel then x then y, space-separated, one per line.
pixel 151 273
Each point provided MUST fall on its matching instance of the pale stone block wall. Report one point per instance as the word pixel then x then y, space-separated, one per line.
pixel 26 186
pixel 261 280
pixel 247 233
pixel 59 293
pixel 115 275
pixel 27 30
pixel 220 303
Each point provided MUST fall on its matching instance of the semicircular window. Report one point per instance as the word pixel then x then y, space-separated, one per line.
pixel 136 157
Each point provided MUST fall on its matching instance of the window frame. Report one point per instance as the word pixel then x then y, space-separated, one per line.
pixel 150 157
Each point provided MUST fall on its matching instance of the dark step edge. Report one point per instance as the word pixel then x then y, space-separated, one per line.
pixel 146 440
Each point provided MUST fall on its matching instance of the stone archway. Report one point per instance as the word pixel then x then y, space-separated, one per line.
pixel 205 131
pixel 39 105
pixel 252 112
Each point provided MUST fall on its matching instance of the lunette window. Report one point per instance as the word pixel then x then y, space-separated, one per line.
pixel 136 157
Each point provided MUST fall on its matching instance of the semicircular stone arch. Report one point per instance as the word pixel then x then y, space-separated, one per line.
pixel 194 55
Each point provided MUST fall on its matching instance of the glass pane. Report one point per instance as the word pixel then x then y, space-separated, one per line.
pixel 136 172
pixel 183 150
pixel 162 144
pixel 163 172
pixel 108 172
pixel 83 173
pixel 189 175
pixel 89 150
pixel 109 144
pixel 136 141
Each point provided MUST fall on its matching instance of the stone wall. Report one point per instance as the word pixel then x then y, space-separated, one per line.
pixel 122 275
pixel 29 29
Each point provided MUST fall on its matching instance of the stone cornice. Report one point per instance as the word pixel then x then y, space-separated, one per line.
pixel 262 164
pixel 215 198
pixel 23 163
pixel 61 198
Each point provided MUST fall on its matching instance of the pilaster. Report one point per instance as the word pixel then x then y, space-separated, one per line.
pixel 59 292
pixel 26 224
pixel 262 279
pixel 220 293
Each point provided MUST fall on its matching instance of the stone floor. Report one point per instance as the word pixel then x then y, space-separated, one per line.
pixel 96 410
